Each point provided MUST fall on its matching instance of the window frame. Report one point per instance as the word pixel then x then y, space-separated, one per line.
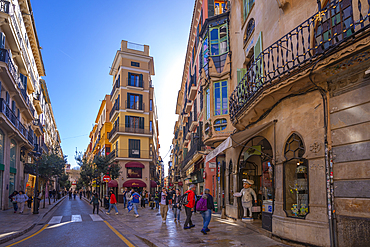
pixel 222 110
pixel 134 143
pixel 292 161
pixel 219 40
pixel 208 103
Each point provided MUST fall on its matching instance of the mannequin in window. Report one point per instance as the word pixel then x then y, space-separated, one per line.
pixel 246 193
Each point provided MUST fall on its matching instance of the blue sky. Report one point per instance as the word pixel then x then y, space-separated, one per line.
pixel 79 40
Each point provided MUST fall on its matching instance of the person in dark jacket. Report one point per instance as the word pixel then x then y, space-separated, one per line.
pixel 208 213
pixel 95 201
pixel 165 197
pixel 12 199
pixel 176 205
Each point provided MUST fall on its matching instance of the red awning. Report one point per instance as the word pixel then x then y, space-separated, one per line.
pixel 153 184
pixel 113 183
pixel 134 183
pixel 134 164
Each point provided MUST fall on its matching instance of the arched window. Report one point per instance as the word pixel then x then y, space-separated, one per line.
pixel 295 178
pixel 13 150
pixel 249 30
pixel 231 184
pixel 1 147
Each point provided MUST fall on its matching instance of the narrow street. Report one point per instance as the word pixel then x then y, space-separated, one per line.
pixel 75 225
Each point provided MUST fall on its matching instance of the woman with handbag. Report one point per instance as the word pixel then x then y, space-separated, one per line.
pixel 176 206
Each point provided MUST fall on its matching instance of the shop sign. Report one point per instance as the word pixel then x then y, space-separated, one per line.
pixel 180 183
pixel 74 183
pixel 204 174
pixel 212 164
pixel 106 178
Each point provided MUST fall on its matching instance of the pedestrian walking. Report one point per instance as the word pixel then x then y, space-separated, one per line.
pixel 12 199
pixel 95 201
pixel 125 200
pixel 21 199
pixel 156 199
pixel 189 207
pixel 144 194
pixel 74 195
pixel 70 194
pixel 112 202
pixel 84 193
pixel 176 206
pixel 165 197
pixel 206 214
pixel 29 201
pixel 135 199
pixel 80 194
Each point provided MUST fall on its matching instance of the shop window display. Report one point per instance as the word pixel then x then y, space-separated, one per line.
pixel 295 178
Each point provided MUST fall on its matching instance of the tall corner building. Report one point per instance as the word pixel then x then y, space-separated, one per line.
pixel 134 134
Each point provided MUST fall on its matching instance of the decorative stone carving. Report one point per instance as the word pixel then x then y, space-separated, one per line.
pixel 315 147
pixel 317 167
pixel 282 3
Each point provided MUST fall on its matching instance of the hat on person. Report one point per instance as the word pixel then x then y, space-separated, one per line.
pixel 247 181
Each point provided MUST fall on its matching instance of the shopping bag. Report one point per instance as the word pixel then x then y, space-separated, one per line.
pixel 130 206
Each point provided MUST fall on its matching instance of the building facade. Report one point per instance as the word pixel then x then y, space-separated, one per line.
pixel 134 135
pixel 27 126
pixel 283 89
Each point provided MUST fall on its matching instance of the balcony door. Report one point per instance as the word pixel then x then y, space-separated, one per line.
pixel 134 148
pixel 134 101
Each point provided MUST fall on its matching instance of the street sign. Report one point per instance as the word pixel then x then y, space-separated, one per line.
pixel 106 178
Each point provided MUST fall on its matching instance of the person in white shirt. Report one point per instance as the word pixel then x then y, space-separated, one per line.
pixel 21 199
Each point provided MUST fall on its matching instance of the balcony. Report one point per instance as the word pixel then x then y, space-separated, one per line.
pixel 188 106
pixel 115 86
pixel 45 147
pixel 129 130
pixel 135 106
pixel 9 114
pixel 129 154
pixel 114 109
pixel 297 51
pixel 195 145
pixel 134 83
pixel 4 6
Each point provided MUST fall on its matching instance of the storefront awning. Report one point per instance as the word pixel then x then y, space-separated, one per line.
pixel 134 164
pixel 112 183
pixel 153 184
pixel 134 183
pixel 238 138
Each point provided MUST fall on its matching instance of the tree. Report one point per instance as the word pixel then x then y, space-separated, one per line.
pixel 64 181
pixel 51 165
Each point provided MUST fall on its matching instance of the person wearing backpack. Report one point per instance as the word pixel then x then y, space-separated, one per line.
pixel 205 206
pixel 189 207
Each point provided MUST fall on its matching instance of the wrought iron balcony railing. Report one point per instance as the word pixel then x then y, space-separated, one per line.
pixel 10 115
pixel 319 35
pixel 4 6
pixel 130 153
pixel 129 129
pixel 114 109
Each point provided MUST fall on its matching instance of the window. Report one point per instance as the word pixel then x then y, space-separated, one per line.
pixel 151 105
pixel 134 101
pixel 221 100
pixel 1 147
pixel 134 172
pixel 134 122
pixel 220 124
pixel 219 40
pixel 204 54
pixel 295 178
pixel 220 7
pixel 134 148
pixel 248 4
pixel 13 150
pixel 208 104
pixel 135 64
pixel 13 106
pixel 7 98
pixel 337 20
pixel 249 30
pixel 150 126
pixel 135 80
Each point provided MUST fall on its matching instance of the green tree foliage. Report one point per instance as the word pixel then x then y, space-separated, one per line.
pixel 80 184
pixel 64 181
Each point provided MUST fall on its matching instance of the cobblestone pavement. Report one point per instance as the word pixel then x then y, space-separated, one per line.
pixel 15 224
pixel 223 232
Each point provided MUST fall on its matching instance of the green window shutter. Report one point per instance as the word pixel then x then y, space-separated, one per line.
pixel 141 123
pixel 259 63
pixel 211 8
pixel 140 102
pixel 127 121
pixel 239 75
pixel 140 80
pixel 129 79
